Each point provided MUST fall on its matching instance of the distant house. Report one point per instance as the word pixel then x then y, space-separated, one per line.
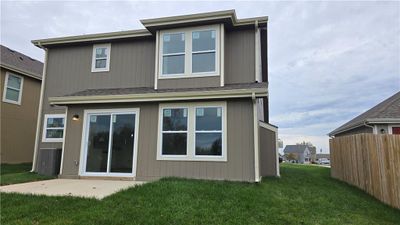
pixel 297 153
pixel 21 78
pixel 383 118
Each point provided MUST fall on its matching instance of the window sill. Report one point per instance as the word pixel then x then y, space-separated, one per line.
pixel 185 76
pixel 102 70
pixel 53 140
pixel 11 102
pixel 193 159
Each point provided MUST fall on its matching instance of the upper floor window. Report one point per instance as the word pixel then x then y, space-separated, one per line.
pixel 189 52
pixel 101 58
pixel 13 88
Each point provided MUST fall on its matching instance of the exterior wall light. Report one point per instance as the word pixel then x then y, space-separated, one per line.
pixel 75 117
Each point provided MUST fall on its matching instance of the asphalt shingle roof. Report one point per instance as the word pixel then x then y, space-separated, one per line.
pixel 295 148
pixel 12 58
pixel 388 109
pixel 147 90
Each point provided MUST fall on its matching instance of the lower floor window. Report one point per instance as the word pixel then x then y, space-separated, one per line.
pixel 53 128
pixel 194 131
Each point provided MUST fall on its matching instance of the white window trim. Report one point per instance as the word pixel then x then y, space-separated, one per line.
pixel 85 131
pixel 188 52
pixel 47 116
pixel 94 69
pixel 6 86
pixel 390 128
pixel 191 156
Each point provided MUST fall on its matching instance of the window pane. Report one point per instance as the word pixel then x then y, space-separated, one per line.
pixel 174 64
pixel 174 119
pixel 54 133
pixel 123 134
pixel 55 122
pixel 173 43
pixel 174 144
pixel 98 141
pixel 101 63
pixel 203 40
pixel 12 95
pixel 209 118
pixel 208 144
pixel 101 52
pixel 203 62
pixel 14 82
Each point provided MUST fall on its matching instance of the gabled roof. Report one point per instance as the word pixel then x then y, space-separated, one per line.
pixel 148 94
pixel 295 148
pixel 387 111
pixel 20 63
pixel 227 17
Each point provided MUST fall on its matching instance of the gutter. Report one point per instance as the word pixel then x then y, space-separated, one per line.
pixel 20 71
pixel 161 96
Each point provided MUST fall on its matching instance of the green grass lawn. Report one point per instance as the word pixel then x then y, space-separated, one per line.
pixel 18 173
pixel 304 195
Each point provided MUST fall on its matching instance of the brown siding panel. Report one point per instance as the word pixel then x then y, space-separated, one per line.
pixel 240 56
pixel 240 164
pixel 268 161
pixel 177 83
pixel 18 122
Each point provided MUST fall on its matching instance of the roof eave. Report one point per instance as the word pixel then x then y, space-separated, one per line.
pixel 365 122
pixel 20 71
pixel 230 15
pixel 157 97
pixel 92 37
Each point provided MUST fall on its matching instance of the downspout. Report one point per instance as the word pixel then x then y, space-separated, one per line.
pixel 374 130
pixel 40 109
pixel 256 140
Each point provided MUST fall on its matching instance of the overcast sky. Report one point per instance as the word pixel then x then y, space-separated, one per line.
pixel 328 61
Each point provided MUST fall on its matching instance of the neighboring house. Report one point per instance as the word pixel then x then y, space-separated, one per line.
pixel 383 118
pixel 300 153
pixel 21 78
pixel 186 97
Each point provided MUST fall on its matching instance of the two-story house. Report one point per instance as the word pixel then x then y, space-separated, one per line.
pixel 185 97
pixel 21 78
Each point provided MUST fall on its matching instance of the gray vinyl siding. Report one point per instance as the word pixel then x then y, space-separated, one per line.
pixel 268 160
pixel 358 130
pixel 195 82
pixel 240 56
pixel 240 148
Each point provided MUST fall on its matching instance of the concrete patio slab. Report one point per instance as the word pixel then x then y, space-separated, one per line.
pixel 71 187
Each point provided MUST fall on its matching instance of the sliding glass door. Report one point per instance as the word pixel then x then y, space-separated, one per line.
pixel 110 143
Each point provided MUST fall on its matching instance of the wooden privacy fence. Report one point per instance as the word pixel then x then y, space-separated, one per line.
pixel 370 162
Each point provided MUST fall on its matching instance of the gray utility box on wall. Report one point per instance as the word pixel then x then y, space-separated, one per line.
pixel 49 161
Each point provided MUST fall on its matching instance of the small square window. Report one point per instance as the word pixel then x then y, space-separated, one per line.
pixel 53 128
pixel 101 58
